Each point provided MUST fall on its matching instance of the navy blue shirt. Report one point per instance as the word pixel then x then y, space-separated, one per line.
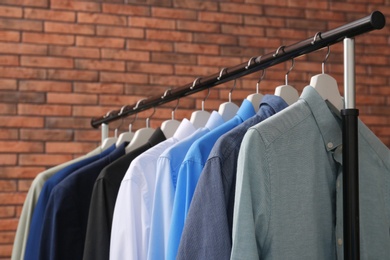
pixel 208 228
pixel 66 215
pixel 35 232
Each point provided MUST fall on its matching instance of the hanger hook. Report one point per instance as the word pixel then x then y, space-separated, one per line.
pixel 203 101
pixel 148 119
pixel 138 103
pixel 292 66
pixel 281 48
pixel 317 35
pixel 119 114
pixel 166 93
pixel 250 62
pixel 230 92
pixel 325 60
pixel 221 73
pixel 258 82
pixel 195 81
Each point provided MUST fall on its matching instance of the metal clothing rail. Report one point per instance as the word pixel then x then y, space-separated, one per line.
pixel 375 21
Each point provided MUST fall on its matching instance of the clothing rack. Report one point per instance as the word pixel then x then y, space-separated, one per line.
pixel 345 33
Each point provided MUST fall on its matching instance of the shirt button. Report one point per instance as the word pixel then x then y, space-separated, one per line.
pixel 340 242
pixel 330 145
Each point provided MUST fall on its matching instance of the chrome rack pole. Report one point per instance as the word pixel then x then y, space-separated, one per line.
pixel 350 157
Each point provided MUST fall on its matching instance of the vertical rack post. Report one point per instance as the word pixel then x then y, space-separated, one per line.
pixel 350 157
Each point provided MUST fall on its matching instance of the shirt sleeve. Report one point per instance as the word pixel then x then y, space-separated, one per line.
pixel 206 231
pixel 189 173
pixel 162 210
pixel 251 204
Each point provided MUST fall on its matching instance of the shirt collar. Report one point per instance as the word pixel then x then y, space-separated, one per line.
pixel 157 137
pixel 214 121
pixel 246 110
pixel 186 128
pixel 275 102
pixel 327 121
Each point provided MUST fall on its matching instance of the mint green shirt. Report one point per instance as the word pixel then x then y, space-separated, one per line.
pixel 288 202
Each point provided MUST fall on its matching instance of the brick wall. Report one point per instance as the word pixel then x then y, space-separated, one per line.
pixel 63 62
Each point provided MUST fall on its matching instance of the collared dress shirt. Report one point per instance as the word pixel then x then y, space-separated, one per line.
pixel 288 191
pixel 66 216
pixel 166 176
pixel 208 227
pixel 31 200
pixel 37 221
pixel 190 171
pixel 105 191
pixel 133 207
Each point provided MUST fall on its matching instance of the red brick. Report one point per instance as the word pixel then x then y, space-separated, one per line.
pixel 258 42
pixel 92 111
pixel 22 48
pixel 118 100
pixel 100 42
pixel 9 134
pixel 221 39
pixel 117 77
pixel 175 13
pixel 149 45
pixel 336 6
pixel 6 212
pixel 174 58
pixel 20 24
pixel 7 11
pixel 82 52
pixel 170 80
pixel 42 14
pixel 266 21
pixel 54 27
pixel 43 159
pixel 46 134
pixel 46 62
pixel 125 55
pixel 37 3
pixel 307 24
pixel 99 88
pixel 7 109
pixel 21 121
pixel 7 186
pixel 62 98
pixel 20 172
pixel 16 198
pixel 149 68
pixel 21 97
pixel 22 73
pixel 243 30
pixel 122 32
pixel 100 65
pixel 19 146
pixel 24 185
pixel 220 17
pixel 166 35
pixel 197 5
pixel 72 75
pixel 8 159
pixel 373 59
pixel 9 36
pixel 48 38
pixel 127 10
pixel 75 5
pixel 68 122
pixel 88 135
pixel 44 86
pixel 217 61
pixel 50 110
pixel 69 147
pixel 8 84
pixel 287 34
pixel 96 18
pixel 10 60
pixel 5 251
pixel 197 48
pixel 241 9
pixel 147 22
pixel 190 70
pixel 198 26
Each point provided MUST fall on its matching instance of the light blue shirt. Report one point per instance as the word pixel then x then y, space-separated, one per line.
pixel 288 202
pixel 166 177
pixel 190 170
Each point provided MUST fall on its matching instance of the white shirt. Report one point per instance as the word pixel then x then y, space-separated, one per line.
pixel 133 208
pixel 168 165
